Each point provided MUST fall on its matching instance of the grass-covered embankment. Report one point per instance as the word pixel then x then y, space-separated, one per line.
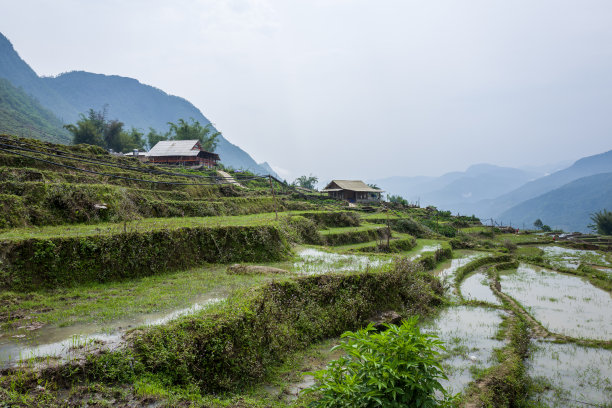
pixel 67 261
pixel 236 343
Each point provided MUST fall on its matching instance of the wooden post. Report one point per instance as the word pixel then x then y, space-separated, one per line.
pixel 273 196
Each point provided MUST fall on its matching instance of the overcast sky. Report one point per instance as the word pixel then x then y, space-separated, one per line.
pixel 351 88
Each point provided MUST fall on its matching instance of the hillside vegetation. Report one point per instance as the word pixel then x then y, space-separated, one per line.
pixel 22 115
pixel 137 105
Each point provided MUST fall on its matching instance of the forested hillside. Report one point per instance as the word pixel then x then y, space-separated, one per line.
pixel 135 104
pixel 22 115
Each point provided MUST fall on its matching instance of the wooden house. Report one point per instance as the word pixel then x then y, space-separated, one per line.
pixel 354 191
pixel 183 152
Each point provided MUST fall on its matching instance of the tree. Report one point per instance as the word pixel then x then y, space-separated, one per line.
pixel 183 130
pixel 153 137
pixel 309 182
pixel 97 130
pixel 88 129
pixel 396 199
pixel 602 222
pixel 538 223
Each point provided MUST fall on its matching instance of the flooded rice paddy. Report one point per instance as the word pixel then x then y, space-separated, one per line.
pixel 571 375
pixel 476 287
pixel 564 304
pixel 61 342
pixel 315 261
pixel 572 258
pixel 469 335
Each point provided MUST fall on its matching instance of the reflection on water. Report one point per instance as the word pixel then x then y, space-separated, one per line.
pixel 571 258
pixel 313 261
pixel 572 373
pixel 476 287
pixel 426 248
pixel 564 304
pixel 467 333
pixel 62 341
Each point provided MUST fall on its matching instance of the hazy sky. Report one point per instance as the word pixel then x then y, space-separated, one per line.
pixel 351 88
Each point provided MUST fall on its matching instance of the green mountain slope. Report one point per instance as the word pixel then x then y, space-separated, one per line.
pixel 22 115
pixel 19 73
pixel 568 207
pixel 135 104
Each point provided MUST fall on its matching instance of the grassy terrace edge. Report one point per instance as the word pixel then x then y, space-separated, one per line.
pixel 235 344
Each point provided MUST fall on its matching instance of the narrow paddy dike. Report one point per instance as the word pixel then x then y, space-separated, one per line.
pixel 542 363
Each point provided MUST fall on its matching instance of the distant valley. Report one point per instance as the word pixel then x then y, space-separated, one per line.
pixel 563 195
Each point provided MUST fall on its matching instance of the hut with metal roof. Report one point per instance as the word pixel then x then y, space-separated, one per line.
pixel 354 191
pixel 183 152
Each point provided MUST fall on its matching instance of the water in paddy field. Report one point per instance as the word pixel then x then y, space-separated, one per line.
pixel 572 258
pixel 476 287
pixel 564 304
pixel 447 272
pixel 574 376
pixel 468 335
pixel 426 248
pixel 314 261
pixel 62 342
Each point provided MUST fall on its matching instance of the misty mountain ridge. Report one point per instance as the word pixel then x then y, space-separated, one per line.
pixel 454 189
pixel 564 199
pixel 135 104
pixel 587 166
pixel 568 207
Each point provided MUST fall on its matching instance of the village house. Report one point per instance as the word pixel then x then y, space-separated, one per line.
pixel 354 191
pixel 183 152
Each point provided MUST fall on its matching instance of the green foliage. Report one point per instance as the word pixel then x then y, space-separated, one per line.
pixel 397 199
pixel 236 345
pixel 412 227
pixel 441 228
pixel 398 367
pixel 154 137
pixel 68 261
pixel 20 114
pixel 602 222
pixel 182 130
pixel 96 129
pixel 538 223
pixel 309 182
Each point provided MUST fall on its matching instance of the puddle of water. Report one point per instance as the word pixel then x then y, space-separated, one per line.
pixel 571 258
pixel 467 333
pixel 476 287
pixel 575 374
pixel 313 261
pixel 564 304
pixel 64 341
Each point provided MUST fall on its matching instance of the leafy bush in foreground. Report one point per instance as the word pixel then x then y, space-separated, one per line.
pixel 395 368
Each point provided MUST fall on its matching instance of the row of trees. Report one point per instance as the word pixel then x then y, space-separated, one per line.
pixel 96 129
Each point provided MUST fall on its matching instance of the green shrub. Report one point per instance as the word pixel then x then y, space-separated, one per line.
pixel 602 222
pixel 441 228
pixel 398 367
pixel 412 227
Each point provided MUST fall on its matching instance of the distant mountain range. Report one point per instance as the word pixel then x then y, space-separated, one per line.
pixel 568 207
pixel 562 199
pixel 68 95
